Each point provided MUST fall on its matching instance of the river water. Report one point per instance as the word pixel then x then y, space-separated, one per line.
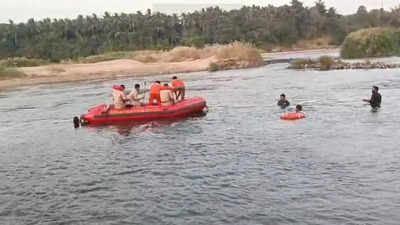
pixel 240 164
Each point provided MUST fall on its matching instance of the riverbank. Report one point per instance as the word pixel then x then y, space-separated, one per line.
pixel 332 63
pixel 59 73
pixel 179 60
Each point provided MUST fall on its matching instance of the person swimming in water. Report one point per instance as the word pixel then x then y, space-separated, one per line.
pixel 299 109
pixel 283 102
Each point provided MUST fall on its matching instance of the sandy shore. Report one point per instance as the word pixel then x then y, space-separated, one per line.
pixel 58 73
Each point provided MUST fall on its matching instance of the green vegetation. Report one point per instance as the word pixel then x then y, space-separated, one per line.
pixel 323 63
pixel 299 64
pixel 326 62
pixel 213 67
pixel 373 42
pixel 74 39
pixel 22 62
pixel 7 73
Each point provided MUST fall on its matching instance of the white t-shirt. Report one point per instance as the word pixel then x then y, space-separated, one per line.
pixel 135 97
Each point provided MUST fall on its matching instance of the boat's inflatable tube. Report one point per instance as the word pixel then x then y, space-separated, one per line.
pixel 293 116
pixel 102 115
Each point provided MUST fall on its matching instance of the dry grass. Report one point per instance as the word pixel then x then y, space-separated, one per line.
pixel 22 62
pixel 57 69
pixel 234 55
pixel 241 52
pixel 236 51
pixel 7 73
pixel 116 55
pixel 213 67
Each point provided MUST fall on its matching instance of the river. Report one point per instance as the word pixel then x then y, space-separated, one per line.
pixel 240 164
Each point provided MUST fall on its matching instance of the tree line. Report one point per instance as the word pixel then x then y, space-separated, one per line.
pixel 58 39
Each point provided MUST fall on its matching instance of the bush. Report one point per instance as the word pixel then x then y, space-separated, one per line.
pixel 373 42
pixel 326 62
pixel 22 62
pixel 241 52
pixel 213 67
pixel 6 73
pixel 300 64
pixel 180 54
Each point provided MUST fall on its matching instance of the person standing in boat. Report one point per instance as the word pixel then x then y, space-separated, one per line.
pixel 178 88
pixel 283 102
pixel 167 96
pixel 136 96
pixel 155 93
pixel 376 98
pixel 119 97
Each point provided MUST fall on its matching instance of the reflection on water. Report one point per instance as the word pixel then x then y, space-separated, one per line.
pixel 240 164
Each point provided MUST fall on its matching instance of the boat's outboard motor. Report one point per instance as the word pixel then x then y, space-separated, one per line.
pixel 77 122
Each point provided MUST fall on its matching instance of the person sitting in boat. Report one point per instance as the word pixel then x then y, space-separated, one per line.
pixel 167 96
pixel 178 88
pixel 155 93
pixel 136 97
pixel 119 97
pixel 376 98
pixel 283 102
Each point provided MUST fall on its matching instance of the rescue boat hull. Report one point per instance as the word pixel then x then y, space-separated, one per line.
pixel 99 115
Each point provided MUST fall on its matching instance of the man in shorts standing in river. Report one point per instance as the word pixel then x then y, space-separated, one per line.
pixel 376 98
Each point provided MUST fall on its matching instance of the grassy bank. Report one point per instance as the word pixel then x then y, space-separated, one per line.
pixel 9 73
pixel 22 62
pixel 372 42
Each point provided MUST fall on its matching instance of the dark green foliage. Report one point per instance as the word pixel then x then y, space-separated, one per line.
pixel 326 62
pixel 373 42
pixel 62 39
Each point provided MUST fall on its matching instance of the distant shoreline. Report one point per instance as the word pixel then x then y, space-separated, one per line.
pixel 121 68
pixel 136 64
pixel 60 73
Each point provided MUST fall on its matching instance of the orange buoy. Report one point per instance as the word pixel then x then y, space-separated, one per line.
pixel 293 116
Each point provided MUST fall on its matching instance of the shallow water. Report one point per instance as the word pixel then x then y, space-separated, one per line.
pixel 239 164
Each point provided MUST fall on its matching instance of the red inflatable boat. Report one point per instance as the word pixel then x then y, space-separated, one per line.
pixel 99 115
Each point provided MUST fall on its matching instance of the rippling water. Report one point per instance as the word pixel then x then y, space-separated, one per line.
pixel 238 165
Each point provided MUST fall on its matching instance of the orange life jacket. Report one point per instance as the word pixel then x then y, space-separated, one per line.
pixel 155 89
pixel 178 84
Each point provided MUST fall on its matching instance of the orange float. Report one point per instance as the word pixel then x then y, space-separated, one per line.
pixel 293 116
